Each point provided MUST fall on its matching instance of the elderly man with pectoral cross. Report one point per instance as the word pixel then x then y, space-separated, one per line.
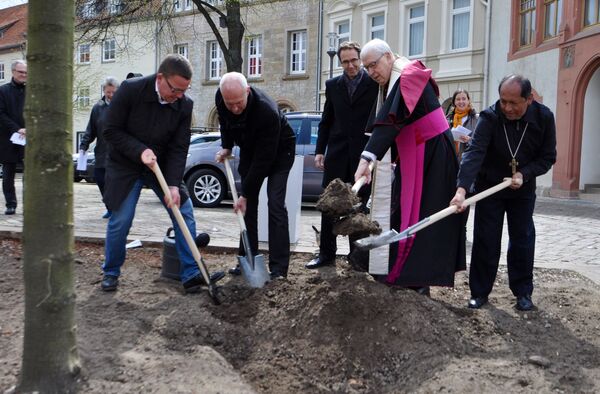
pixel 515 137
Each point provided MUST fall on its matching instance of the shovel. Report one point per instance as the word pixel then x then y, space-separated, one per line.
pixel 254 269
pixel 212 289
pixel 392 236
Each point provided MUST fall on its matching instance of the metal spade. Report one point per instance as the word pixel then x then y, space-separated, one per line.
pixel 392 236
pixel 254 268
pixel 212 288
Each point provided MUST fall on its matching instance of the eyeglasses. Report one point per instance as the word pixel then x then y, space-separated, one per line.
pixel 175 90
pixel 373 64
pixel 354 61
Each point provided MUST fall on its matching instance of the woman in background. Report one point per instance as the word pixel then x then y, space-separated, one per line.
pixel 461 113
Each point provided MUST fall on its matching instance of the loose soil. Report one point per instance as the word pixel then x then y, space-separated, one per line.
pixel 328 330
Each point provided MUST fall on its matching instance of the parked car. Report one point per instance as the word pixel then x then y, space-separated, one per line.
pixel 88 174
pixel 206 179
pixel 19 168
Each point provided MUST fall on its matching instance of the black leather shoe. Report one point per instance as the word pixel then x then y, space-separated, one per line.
pixel 318 262
pixel 10 211
pixel 110 283
pixel 277 275
pixel 477 302
pixel 195 284
pixel 235 271
pixel 524 303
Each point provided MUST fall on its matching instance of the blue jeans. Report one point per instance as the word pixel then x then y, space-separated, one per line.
pixel 120 223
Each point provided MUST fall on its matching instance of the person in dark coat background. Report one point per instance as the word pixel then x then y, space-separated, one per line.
pixel 12 101
pixel 148 122
pixel 94 132
pixel 341 139
pixel 251 119
pixel 514 138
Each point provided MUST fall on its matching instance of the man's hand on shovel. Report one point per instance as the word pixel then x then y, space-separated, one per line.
pixel 363 170
pixel 459 197
pixel 149 159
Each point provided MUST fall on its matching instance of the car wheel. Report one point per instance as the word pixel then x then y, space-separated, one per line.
pixel 207 188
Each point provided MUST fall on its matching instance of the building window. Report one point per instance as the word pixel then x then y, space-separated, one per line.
pixel 215 60
pixel 2 75
pixel 592 12
pixel 461 20
pixel 83 54
pixel 553 16
pixel 83 97
pixel 177 5
pixel 343 34
pixel 182 49
pixel 116 7
pixel 255 56
pixel 416 30
pixel 298 52
pixel 88 9
pixel 377 26
pixel 527 22
pixel 109 50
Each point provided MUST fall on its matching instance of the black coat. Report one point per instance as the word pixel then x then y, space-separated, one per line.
pixel 136 121
pixel 486 160
pixel 12 100
pixel 94 132
pixel 342 128
pixel 266 140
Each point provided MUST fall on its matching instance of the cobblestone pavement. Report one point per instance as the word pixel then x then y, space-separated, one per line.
pixel 568 231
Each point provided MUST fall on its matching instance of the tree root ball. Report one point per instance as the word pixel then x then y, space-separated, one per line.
pixel 337 199
pixel 358 225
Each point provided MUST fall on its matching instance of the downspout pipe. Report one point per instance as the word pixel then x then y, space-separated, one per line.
pixel 319 58
pixel 486 56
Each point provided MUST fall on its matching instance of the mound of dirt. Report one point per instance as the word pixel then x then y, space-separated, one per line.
pixel 329 330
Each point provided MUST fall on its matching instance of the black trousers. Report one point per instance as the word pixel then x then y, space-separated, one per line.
pixel 489 219
pixel 279 234
pixel 8 184
pixel 99 174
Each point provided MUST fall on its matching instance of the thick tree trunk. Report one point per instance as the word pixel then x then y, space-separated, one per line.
pixel 235 31
pixel 50 359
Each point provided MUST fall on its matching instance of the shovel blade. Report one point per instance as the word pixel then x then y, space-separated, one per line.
pixel 256 275
pixel 375 241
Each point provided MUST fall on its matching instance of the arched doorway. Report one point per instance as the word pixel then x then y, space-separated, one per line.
pixel 589 177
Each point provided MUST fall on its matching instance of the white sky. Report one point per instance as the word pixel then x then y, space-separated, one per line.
pixel 10 3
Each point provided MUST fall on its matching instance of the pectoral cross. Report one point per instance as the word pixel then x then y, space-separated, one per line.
pixel 514 163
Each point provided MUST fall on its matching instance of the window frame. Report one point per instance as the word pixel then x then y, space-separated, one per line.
pixel 83 100
pixel 301 53
pixel 460 11
pixel 178 49
pixel 523 15
pixel 257 56
pixel 2 71
pixel 557 17
pixel 105 51
pixel 413 21
pixel 341 37
pixel 584 16
pixel 379 28
pixel 214 57
pixel 80 53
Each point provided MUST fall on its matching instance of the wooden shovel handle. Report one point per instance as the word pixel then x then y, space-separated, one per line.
pixel 361 181
pixel 184 229
pixel 234 194
pixel 453 208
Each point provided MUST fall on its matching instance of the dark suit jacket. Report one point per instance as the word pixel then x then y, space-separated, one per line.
pixel 12 99
pixel 94 132
pixel 486 160
pixel 266 140
pixel 135 121
pixel 342 128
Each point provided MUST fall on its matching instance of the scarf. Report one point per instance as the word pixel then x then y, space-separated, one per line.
pixel 352 84
pixel 459 115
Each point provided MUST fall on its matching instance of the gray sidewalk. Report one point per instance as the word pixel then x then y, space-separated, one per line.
pixel 568 231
